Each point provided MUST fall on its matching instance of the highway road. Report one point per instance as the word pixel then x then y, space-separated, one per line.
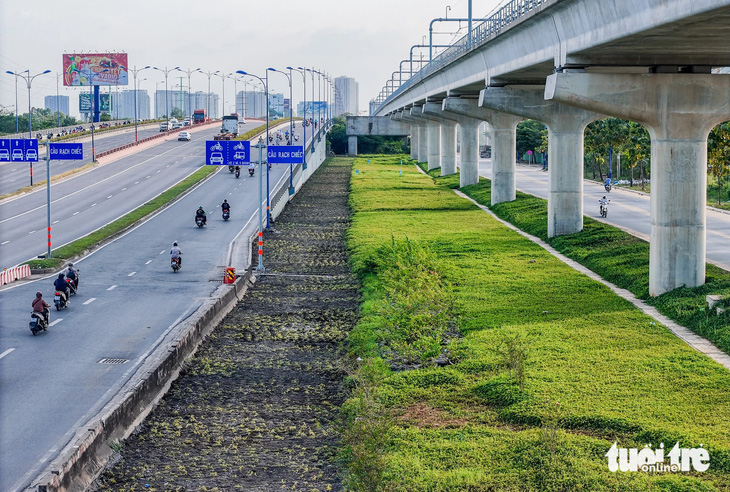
pixel 16 175
pixel 628 210
pixel 88 201
pixel 129 298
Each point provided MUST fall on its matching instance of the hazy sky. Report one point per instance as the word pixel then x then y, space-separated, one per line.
pixel 364 39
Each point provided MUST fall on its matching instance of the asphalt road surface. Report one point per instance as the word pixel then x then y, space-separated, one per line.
pixel 16 175
pixel 627 210
pixel 129 298
pixel 88 201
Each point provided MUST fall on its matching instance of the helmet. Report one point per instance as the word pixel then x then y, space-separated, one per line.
pixel 200 207
pixel 225 201
pixel 70 264
pixel 604 197
pixel 39 294
pixel 60 275
pixel 174 244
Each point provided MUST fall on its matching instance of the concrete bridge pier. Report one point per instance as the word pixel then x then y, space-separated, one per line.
pixel 398 116
pixel 433 135
pixel 679 111
pixel 352 145
pixel 565 132
pixel 448 137
pixel 454 108
pixel 417 115
pixel 405 116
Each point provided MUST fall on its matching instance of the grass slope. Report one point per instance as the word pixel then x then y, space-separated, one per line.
pixel 594 369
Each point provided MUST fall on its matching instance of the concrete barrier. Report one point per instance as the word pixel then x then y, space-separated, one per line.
pixel 15 273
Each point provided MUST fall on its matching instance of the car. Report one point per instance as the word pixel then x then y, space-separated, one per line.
pixel 184 136
pixel 216 157
pixel 4 155
pixel 17 155
pixel 31 155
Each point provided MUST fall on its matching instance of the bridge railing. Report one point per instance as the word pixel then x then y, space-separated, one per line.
pixel 488 28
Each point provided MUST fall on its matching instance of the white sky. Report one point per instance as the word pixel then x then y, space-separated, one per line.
pixel 364 39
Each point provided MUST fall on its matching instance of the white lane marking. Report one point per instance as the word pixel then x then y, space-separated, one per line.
pixel 162 252
pixel 230 194
pixel 56 322
pixel 31 232
pixel 13 180
pixel 93 204
pixel 159 170
pixel 10 349
pixel 131 274
pixel 14 169
pixel 123 189
pixel 75 213
pixel 148 177
pixel 55 221
pixel 110 196
pixel 4 242
pixel 136 182
pixel 112 287
pixel 148 262
pixel 90 301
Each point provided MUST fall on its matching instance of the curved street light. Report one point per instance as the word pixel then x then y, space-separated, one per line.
pixel 207 98
pixel 304 125
pixel 223 83
pixel 166 71
pixel 189 71
pixel 291 128
pixel 135 71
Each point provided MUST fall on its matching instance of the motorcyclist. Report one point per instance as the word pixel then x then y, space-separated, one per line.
pixel 40 305
pixel 603 202
pixel 251 169
pixel 200 213
pixel 72 276
pixel 62 287
pixel 607 184
pixel 225 206
pixel 176 253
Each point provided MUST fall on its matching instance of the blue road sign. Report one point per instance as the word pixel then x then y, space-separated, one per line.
pixel 19 150
pixel 67 151
pixel 285 154
pixel 227 152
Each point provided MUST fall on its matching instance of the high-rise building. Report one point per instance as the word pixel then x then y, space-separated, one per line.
pixel 57 103
pixel 255 104
pixel 276 104
pixel 123 105
pixel 346 96
pixel 187 104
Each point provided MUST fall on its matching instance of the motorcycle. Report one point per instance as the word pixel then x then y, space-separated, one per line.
pixel 59 300
pixel 37 323
pixel 250 171
pixel 199 221
pixel 74 284
pixel 175 264
pixel 607 186
pixel 226 214
pixel 604 209
pixel 231 168
pixel 238 171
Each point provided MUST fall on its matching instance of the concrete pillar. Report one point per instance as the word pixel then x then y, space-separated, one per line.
pixel 434 145
pixel 352 145
pixel 565 151
pixel 416 112
pixel 457 109
pixel 399 116
pixel 448 137
pixel 504 156
pixel 679 111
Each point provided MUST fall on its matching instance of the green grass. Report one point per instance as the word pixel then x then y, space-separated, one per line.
pixel 620 258
pixel 614 374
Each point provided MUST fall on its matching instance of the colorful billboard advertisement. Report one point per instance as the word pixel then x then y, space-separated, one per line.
pixel 85 103
pixel 95 69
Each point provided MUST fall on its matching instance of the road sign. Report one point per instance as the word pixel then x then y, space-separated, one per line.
pixel 67 151
pixel 285 154
pixel 19 150
pixel 227 152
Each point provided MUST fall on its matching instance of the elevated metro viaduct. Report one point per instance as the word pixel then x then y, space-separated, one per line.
pixel 567 63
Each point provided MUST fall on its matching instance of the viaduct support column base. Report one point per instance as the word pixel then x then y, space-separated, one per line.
pixel 448 147
pixel 504 156
pixel 351 145
pixel 433 130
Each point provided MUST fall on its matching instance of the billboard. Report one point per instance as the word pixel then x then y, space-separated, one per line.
pixel 85 103
pixel 95 69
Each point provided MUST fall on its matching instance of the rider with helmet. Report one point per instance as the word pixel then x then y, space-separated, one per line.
pixel 72 275
pixel 176 253
pixel 200 213
pixel 40 306
pixel 62 287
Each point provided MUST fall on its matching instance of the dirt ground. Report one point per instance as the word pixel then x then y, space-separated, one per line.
pixel 257 408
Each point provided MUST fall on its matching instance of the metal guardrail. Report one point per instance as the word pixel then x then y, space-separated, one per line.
pixel 489 28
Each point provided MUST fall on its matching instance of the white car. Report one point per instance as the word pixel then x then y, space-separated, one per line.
pixel 184 136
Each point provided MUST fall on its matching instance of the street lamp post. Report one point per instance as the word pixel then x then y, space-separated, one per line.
pixel 304 125
pixel 28 80
pixel 58 103
pixel 17 130
pixel 207 98
pixel 291 128
pixel 312 71
pixel 91 110
pixel 223 82
pixel 266 91
pixel 166 71
pixel 189 71
pixel 135 71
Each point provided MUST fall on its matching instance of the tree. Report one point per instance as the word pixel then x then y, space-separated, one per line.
pixel 529 136
pixel 367 144
pixel 638 149
pixel 337 136
pixel 177 113
pixel 718 155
